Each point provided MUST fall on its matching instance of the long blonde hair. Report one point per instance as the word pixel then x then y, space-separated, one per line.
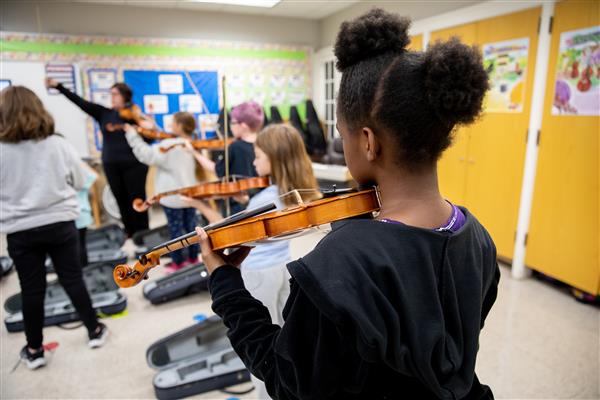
pixel 23 116
pixel 290 165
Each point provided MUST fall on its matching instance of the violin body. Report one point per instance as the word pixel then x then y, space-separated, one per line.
pixel 207 190
pixel 276 224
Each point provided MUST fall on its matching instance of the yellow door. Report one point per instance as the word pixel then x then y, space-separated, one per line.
pixel 452 165
pixel 564 232
pixel 416 43
pixel 496 149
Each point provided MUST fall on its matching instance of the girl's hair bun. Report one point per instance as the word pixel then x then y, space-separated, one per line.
pixel 455 81
pixel 374 33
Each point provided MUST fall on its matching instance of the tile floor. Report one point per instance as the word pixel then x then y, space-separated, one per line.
pixel 538 343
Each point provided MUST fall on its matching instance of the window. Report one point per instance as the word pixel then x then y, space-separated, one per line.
pixel 330 96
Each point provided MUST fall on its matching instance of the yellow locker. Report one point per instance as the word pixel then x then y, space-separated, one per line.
pixel 452 165
pixel 563 239
pixel 484 168
pixel 416 43
pixel 496 149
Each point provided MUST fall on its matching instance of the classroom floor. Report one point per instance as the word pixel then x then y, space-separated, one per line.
pixel 538 343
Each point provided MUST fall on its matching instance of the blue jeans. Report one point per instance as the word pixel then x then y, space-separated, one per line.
pixel 182 221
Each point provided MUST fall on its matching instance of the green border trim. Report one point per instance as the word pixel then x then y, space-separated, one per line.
pixel 129 50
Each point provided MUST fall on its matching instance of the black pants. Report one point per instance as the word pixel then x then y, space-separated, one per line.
pixel 83 256
pixel 127 181
pixel 28 249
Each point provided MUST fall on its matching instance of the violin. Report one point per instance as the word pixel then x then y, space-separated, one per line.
pixel 220 188
pixel 198 144
pixel 254 225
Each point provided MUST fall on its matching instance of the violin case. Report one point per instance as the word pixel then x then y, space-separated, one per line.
pixel 147 239
pixel 188 280
pixel 103 246
pixel 195 360
pixel 6 265
pixel 104 292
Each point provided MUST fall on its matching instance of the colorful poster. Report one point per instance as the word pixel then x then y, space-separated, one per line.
pixel 577 87
pixel 506 65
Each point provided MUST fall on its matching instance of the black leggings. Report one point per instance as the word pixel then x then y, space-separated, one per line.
pixel 127 182
pixel 28 249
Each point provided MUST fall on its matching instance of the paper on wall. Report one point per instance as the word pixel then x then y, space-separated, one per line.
pixel 156 104
pixel 170 83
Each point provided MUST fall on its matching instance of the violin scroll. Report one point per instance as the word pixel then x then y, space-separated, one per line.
pixel 126 276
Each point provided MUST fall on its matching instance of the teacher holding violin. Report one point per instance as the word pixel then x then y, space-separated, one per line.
pixel 126 176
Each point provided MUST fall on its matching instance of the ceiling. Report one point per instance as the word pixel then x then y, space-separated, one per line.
pixel 310 9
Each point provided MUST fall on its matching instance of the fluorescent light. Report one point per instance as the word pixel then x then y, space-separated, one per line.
pixel 247 3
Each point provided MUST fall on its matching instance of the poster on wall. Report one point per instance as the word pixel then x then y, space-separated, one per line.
pixel 161 94
pixel 506 65
pixel 100 80
pixel 62 73
pixel 577 85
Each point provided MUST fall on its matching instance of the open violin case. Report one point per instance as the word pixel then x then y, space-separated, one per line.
pixel 188 280
pixel 103 246
pixel 104 292
pixel 147 239
pixel 195 360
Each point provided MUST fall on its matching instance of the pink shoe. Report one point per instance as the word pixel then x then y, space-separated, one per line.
pixel 174 267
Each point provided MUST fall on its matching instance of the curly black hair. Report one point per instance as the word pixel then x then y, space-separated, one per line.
pixel 417 97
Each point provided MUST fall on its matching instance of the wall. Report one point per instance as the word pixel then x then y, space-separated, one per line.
pixel 93 19
pixel 329 26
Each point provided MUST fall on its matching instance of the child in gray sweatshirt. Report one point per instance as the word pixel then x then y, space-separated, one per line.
pixel 39 175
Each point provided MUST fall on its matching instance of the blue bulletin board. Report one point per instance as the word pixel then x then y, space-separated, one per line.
pixel 163 93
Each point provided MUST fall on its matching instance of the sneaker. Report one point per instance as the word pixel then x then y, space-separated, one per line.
pixel 98 338
pixel 174 267
pixel 33 360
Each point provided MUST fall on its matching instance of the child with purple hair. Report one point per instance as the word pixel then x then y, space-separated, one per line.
pixel 246 120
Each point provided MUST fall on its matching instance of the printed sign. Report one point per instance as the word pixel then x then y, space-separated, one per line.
pixel 191 103
pixel 506 65
pixel 170 83
pixel 156 104
pixel 577 87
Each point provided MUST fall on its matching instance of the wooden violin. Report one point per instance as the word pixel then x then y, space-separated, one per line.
pixel 221 188
pixel 254 225
pixel 198 144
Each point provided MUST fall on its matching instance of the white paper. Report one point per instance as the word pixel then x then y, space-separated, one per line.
pixel 278 98
pixel 170 84
pixel 102 98
pixel 168 123
pixel 156 104
pixel 191 103
pixel 102 80
pixel 296 81
pixel 296 98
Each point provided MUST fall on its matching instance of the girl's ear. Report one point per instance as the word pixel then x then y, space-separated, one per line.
pixel 372 146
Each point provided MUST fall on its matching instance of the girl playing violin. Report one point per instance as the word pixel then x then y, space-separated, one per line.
pixel 175 169
pixel 390 307
pixel 40 173
pixel 279 153
pixel 126 176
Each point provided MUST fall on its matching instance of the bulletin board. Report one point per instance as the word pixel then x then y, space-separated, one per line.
pixel 270 74
pixel 161 94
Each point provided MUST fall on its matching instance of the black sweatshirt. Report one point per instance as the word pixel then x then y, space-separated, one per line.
pixel 241 158
pixel 114 144
pixel 376 311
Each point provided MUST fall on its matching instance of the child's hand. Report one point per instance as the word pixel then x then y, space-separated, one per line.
pixel 147 124
pixel 129 129
pixel 242 198
pixel 216 259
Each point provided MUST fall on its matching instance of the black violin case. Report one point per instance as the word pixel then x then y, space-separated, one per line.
pixel 103 246
pixel 195 360
pixel 147 239
pixel 188 280
pixel 104 292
